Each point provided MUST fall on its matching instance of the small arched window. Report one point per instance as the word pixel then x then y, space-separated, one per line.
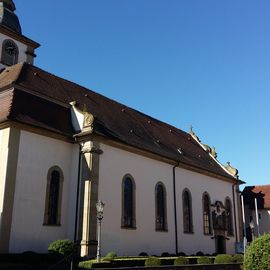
pixel 128 202
pixel 161 211
pixel 207 229
pixel 229 221
pixel 187 212
pixel 10 52
pixel 52 214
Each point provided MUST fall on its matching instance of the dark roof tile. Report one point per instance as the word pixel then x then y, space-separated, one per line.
pixel 112 119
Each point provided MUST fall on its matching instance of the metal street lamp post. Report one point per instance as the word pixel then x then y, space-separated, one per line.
pixel 252 226
pixel 99 208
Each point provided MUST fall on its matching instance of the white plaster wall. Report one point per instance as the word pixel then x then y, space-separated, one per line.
pixel 197 184
pixel 114 164
pixel 4 140
pixel 22 57
pixel 264 221
pixel 36 155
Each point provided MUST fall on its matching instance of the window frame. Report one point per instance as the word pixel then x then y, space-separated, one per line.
pixel 187 228
pixel 124 223
pixel 207 228
pixel 161 226
pixel 47 214
pixel 5 57
pixel 229 216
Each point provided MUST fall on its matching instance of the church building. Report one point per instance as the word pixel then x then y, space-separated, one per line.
pixel 64 147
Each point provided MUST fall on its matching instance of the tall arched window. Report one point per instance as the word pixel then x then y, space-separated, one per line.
pixel 187 212
pixel 207 229
pixel 52 214
pixel 10 52
pixel 161 211
pixel 128 202
pixel 229 222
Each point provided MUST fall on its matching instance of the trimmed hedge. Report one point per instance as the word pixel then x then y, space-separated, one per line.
pixel 94 264
pixel 64 247
pixel 157 261
pixel 223 258
pixel 181 260
pixel 204 260
pixel 238 258
pixel 152 261
pixel 257 256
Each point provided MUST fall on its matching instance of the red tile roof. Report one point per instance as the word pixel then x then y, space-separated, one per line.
pixel 262 193
pixel 42 99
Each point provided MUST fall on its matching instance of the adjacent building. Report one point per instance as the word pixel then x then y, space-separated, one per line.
pixel 257 210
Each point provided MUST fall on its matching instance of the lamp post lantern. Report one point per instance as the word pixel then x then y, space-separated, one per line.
pixel 99 208
pixel 252 226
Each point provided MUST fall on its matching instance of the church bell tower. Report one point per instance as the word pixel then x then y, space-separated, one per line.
pixel 14 47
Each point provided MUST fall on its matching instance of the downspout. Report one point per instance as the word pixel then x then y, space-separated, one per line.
pixel 77 195
pixel 234 212
pixel 175 212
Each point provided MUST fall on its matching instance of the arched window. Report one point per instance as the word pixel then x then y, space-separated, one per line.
pixel 52 214
pixel 128 202
pixel 10 52
pixel 187 212
pixel 161 211
pixel 207 229
pixel 229 222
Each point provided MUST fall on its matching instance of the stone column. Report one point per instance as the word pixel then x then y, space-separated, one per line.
pixel 89 197
pixel 12 141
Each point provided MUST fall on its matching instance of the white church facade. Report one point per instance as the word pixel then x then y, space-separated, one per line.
pixel 64 147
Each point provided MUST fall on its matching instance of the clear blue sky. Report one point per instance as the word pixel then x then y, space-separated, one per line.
pixel 205 63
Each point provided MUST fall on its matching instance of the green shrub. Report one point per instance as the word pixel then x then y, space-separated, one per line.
pixel 94 264
pixel 86 264
pixel 238 258
pixel 181 260
pixel 223 258
pixel 257 254
pixel 199 253
pixel 204 260
pixel 152 261
pixel 111 255
pixel 64 247
pixel 143 254
pixel 167 260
